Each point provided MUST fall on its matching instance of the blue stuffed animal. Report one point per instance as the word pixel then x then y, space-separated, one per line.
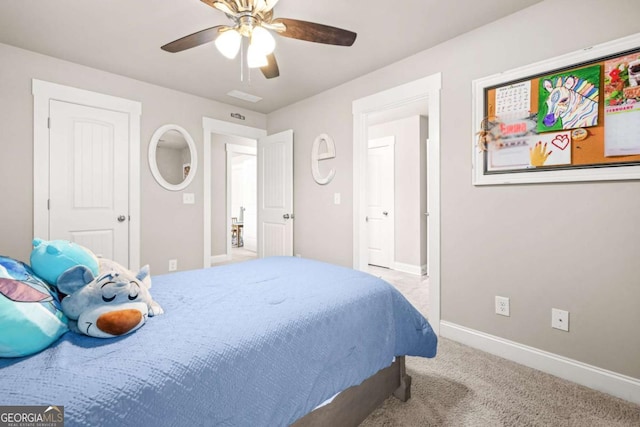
pixel 30 314
pixel 113 303
pixel 49 259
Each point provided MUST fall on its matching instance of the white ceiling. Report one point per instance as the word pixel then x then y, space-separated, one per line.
pixel 124 37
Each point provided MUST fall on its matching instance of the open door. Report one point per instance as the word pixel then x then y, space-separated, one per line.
pixel 275 194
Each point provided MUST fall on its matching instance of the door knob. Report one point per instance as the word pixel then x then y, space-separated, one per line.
pixel 285 216
pixel 385 213
pixel 121 218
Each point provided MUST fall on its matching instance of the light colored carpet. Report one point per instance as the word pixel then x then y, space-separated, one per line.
pixel 463 386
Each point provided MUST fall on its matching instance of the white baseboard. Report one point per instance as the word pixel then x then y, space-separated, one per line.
pixel 425 269
pixel 622 386
pixel 408 268
pixel 220 258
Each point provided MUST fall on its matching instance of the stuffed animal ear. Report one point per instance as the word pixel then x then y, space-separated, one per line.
pixel 74 278
pixel 144 274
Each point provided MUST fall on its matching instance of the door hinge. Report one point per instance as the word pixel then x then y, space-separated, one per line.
pixel 48 204
pixel 49 122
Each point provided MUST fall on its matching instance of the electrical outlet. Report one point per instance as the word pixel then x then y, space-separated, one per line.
pixel 560 319
pixel 502 306
pixel 173 264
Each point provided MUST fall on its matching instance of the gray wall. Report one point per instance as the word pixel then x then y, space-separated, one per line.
pixel 169 229
pixel 492 242
pixel 322 229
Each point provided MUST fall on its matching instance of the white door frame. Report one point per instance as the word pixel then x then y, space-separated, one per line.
pixel 219 127
pixel 43 92
pixel 230 150
pixel 426 89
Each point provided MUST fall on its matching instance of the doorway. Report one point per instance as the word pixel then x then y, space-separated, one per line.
pixel 274 158
pixel 397 168
pixel 242 200
pixel 427 92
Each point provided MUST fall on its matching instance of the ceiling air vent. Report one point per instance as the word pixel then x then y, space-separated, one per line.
pixel 244 96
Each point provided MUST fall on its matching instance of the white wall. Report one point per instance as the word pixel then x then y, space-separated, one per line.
pixel 492 244
pixel 169 229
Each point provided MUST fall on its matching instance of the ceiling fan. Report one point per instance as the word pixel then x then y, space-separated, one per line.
pixel 254 20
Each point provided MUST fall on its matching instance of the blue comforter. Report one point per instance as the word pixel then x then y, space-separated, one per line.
pixel 259 343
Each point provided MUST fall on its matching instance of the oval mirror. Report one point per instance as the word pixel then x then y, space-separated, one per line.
pixel 172 157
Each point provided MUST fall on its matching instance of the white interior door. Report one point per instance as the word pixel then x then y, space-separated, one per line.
pixel 380 201
pixel 89 178
pixel 275 194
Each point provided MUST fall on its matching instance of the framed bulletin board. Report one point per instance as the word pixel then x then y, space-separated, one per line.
pixel 571 118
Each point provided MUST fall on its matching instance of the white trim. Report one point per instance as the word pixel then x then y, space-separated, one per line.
pixel 153 164
pixel 43 92
pixel 567 175
pixel 385 141
pixel 428 90
pixel 215 259
pixel 603 380
pixel 407 268
pixel 210 126
pixel 241 149
pixel 424 269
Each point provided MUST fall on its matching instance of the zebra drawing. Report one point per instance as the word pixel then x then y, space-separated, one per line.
pixel 573 101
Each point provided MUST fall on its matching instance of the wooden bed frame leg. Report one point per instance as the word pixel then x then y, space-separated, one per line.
pixel 403 393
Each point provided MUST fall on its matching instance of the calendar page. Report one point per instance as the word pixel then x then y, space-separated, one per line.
pixel 513 99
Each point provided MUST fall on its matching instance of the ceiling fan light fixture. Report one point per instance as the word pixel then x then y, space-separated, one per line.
pixel 255 58
pixel 228 43
pixel 262 40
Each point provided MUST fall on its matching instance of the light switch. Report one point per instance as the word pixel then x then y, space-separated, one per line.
pixel 336 198
pixel 188 198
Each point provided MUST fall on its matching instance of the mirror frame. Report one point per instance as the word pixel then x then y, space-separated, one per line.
pixel 153 165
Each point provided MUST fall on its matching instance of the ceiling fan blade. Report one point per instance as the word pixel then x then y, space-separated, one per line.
pixel 271 70
pixel 193 40
pixel 312 32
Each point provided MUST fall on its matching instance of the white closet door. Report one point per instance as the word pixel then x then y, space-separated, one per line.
pixel 380 201
pixel 89 178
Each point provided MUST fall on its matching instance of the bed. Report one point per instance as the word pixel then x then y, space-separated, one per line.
pixel 270 342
